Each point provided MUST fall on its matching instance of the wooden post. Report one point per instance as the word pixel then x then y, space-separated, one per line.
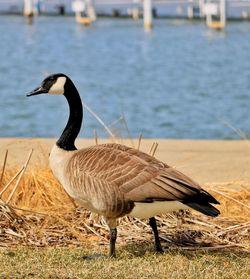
pixel 28 8
pixel 91 10
pixel 135 12
pixel 223 13
pixel 147 14
pixel 201 8
pixel 78 6
pixel 209 15
pixel 217 10
pixel 190 12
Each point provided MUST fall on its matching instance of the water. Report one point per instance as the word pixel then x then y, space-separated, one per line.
pixel 179 81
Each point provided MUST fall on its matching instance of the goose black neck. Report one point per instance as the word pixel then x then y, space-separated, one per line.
pixel 72 129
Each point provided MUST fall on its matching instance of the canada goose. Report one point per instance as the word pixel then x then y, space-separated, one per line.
pixel 114 180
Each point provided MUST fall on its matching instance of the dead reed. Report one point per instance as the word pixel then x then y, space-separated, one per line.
pixel 36 211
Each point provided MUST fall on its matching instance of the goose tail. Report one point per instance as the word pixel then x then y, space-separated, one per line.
pixel 206 209
pixel 201 202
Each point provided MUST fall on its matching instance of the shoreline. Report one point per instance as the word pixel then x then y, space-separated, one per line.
pixel 183 17
pixel 206 161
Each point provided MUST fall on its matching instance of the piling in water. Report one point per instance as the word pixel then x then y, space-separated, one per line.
pixel 147 14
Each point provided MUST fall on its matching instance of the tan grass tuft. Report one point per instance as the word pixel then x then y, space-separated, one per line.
pixel 40 213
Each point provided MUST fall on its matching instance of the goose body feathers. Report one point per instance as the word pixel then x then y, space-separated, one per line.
pixel 115 180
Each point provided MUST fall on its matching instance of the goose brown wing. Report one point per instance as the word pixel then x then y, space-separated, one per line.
pixel 138 175
pixel 168 184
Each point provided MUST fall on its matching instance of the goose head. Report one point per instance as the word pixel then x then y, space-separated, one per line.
pixel 53 84
pixel 60 84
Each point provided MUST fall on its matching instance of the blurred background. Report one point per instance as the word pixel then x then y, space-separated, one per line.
pixel 180 70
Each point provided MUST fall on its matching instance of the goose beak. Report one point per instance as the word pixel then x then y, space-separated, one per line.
pixel 37 91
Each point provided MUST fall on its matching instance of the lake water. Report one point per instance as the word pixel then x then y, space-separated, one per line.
pixel 179 81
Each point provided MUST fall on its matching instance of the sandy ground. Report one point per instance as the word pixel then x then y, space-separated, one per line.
pixel 206 161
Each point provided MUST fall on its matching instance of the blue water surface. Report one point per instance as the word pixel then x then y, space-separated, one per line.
pixel 179 81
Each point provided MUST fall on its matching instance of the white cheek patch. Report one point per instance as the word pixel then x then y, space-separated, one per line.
pixel 58 86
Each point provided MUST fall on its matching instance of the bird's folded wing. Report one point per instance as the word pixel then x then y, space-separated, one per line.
pixel 138 175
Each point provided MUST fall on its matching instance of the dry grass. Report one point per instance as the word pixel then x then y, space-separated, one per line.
pixel 41 214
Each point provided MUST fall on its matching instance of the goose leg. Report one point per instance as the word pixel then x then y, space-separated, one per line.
pixel 112 240
pixel 153 225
